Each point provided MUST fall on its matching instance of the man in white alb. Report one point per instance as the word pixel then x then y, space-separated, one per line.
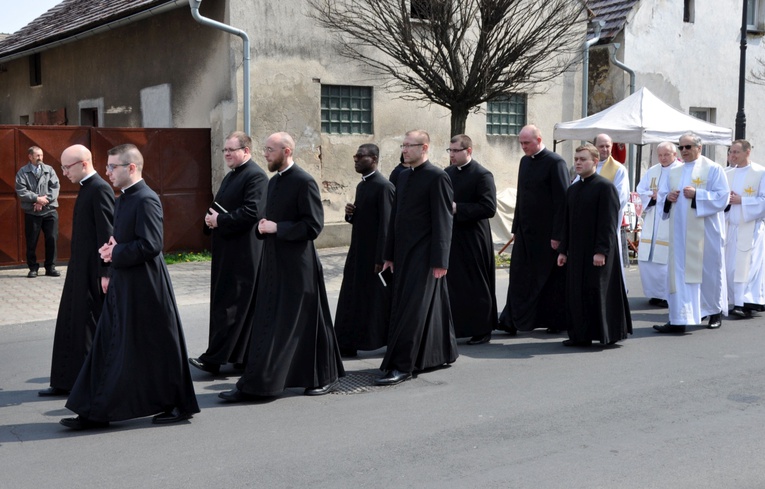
pixel 745 236
pixel 696 195
pixel 653 252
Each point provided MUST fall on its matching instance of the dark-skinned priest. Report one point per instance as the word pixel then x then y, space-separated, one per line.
pixel 596 299
pixel 137 364
pixel 363 308
pixel 232 219
pixel 417 252
pixel 471 277
pixel 293 342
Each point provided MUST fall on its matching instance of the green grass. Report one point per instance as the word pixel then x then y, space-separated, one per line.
pixel 502 261
pixel 187 256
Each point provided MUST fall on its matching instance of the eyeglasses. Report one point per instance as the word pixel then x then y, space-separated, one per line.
pixel 407 146
pixel 450 150
pixel 269 149
pixel 231 150
pixel 111 167
pixel 687 146
pixel 66 168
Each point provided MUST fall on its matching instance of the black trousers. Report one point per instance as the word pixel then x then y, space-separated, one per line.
pixel 48 224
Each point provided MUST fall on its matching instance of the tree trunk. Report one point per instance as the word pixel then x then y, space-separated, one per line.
pixel 459 120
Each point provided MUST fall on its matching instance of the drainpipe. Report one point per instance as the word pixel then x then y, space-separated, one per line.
pixel 194 4
pixel 586 65
pixel 631 72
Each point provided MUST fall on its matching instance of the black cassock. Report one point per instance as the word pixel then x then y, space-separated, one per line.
pixel 235 259
pixel 596 300
pixel 471 277
pixel 363 308
pixel 137 365
pixel 535 291
pixel 396 172
pixel 419 238
pixel 82 297
pixel 293 343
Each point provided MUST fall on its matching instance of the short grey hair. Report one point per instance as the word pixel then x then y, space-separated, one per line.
pixel 693 136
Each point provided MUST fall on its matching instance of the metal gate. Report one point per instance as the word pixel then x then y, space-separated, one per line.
pixel 177 166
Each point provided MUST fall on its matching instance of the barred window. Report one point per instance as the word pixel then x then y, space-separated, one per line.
pixel 346 109
pixel 506 115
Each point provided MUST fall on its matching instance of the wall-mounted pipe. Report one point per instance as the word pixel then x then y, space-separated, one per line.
pixel 586 65
pixel 194 4
pixel 631 72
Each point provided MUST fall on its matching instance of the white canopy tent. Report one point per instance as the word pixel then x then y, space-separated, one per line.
pixel 642 118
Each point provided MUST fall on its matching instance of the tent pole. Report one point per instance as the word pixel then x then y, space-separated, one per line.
pixel 638 165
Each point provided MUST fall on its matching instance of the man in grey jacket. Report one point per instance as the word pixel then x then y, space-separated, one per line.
pixel 37 187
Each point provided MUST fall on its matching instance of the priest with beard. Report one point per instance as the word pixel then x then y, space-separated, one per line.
pixel 87 276
pixel 471 279
pixel 596 299
pixel 535 291
pixel 363 308
pixel 137 364
pixel 293 343
pixel 417 252
pixel 232 219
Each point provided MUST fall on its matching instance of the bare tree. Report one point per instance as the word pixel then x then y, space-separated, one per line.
pixel 457 53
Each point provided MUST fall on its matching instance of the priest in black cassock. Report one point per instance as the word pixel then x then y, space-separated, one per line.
pixel 472 268
pixel 363 308
pixel 397 170
pixel 536 287
pixel 87 277
pixel 293 343
pixel 596 299
pixel 417 252
pixel 232 219
pixel 137 364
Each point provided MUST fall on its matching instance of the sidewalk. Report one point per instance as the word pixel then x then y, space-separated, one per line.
pixel 24 300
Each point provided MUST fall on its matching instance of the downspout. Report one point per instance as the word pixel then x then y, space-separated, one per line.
pixel 586 65
pixel 194 4
pixel 619 64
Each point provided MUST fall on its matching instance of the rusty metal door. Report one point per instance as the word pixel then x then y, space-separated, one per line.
pixel 177 166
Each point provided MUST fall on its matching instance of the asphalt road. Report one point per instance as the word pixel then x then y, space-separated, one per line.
pixel 524 412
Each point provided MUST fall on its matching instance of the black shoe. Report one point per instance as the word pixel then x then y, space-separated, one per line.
pixel 479 339
pixel 740 312
pixel 669 328
pixel 205 366
pixel 168 417
pixel 52 272
pixel 240 366
pixel 658 302
pixel 32 274
pixel 754 307
pixel 583 344
pixel 320 391
pixel 235 395
pixel 348 353
pixel 80 423
pixel 715 321
pixel 507 328
pixel 393 377
pixel 553 331
pixel 53 391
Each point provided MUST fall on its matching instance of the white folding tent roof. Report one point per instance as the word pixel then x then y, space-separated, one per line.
pixel 642 118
